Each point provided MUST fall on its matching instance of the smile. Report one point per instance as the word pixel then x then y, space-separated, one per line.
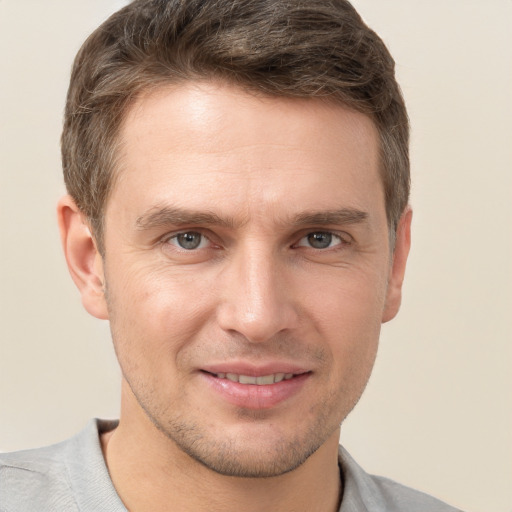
pixel 263 380
pixel 263 391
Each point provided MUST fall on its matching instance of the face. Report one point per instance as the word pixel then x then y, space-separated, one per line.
pixel 247 269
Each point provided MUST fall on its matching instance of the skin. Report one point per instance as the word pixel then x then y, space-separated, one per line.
pixel 254 180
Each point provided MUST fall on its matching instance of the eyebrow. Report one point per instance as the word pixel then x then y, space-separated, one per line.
pixel 341 216
pixel 166 216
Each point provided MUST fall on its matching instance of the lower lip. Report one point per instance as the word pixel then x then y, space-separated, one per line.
pixel 252 396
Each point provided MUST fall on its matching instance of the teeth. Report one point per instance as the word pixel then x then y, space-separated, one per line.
pixel 263 380
pixel 245 379
pixel 266 379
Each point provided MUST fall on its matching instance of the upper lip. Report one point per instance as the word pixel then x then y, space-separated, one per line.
pixel 255 370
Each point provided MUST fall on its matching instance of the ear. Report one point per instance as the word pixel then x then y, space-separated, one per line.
pixel 85 263
pixel 397 271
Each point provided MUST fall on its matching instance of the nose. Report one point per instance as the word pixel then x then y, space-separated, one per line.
pixel 257 296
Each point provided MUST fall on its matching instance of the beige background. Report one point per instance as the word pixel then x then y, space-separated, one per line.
pixel 437 414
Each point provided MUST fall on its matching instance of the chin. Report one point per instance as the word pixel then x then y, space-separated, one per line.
pixel 247 451
pixel 229 459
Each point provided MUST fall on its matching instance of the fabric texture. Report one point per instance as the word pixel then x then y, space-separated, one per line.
pixel 72 477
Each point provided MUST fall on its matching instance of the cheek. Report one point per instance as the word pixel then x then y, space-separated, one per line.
pixel 348 317
pixel 154 313
pixel 352 330
pixel 349 302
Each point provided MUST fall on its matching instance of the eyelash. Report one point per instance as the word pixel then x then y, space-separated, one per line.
pixel 341 240
pixel 330 236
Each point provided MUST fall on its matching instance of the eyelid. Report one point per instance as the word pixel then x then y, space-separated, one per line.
pixel 344 238
pixel 174 234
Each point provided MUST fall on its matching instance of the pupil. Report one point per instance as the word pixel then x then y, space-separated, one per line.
pixel 320 240
pixel 189 240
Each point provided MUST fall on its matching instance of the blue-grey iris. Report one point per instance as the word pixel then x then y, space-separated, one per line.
pixel 190 240
pixel 320 240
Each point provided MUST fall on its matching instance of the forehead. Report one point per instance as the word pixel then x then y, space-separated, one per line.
pixel 215 145
pixel 220 115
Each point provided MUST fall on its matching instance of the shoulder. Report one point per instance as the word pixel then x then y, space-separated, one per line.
pixel 36 479
pixel 402 498
pixel 364 492
pixel 68 476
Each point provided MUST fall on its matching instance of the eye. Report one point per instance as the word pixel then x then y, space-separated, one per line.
pixel 320 240
pixel 189 240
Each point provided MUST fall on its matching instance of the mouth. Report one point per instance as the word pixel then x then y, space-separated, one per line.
pixel 261 390
pixel 260 380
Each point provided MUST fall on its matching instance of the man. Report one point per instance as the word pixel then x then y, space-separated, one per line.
pixel 238 185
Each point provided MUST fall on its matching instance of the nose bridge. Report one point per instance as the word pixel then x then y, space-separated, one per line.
pixel 257 299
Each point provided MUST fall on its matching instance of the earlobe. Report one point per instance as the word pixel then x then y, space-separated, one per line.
pixel 397 271
pixel 85 264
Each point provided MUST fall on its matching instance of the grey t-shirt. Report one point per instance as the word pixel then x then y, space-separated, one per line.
pixel 72 477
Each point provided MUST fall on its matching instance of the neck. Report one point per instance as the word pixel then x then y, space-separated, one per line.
pixel 150 472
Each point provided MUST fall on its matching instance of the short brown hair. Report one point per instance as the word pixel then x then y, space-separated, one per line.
pixel 293 48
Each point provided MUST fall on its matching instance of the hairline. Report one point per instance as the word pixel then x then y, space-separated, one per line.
pixel 160 83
